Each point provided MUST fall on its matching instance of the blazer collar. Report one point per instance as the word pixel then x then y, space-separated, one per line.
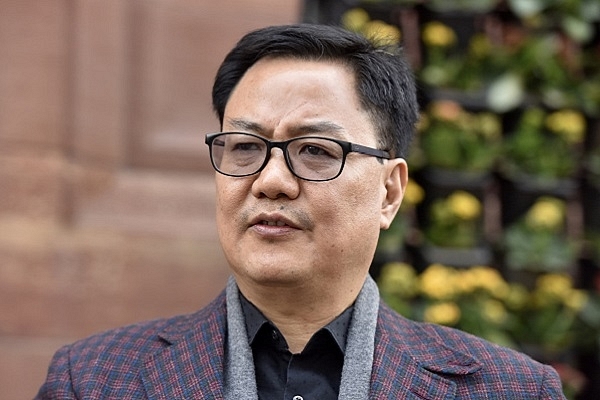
pixel 412 363
pixel 191 364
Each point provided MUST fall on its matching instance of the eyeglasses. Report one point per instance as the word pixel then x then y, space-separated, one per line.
pixel 311 158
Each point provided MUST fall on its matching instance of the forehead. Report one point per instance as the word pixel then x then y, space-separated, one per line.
pixel 299 75
pixel 278 93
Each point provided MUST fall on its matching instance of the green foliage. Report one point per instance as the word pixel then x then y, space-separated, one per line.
pixel 537 251
pixel 455 221
pixel 538 242
pixel 533 150
pixel 458 140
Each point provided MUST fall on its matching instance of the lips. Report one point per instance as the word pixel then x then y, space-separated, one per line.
pixel 276 220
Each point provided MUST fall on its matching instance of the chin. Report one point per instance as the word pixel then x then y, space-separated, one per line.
pixel 281 274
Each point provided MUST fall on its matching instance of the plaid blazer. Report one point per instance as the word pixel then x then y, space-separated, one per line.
pixel 182 358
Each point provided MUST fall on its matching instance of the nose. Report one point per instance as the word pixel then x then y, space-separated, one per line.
pixel 276 180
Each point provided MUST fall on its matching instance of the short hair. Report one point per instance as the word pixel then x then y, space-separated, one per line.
pixel 384 80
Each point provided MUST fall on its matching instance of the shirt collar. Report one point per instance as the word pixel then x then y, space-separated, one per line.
pixel 255 319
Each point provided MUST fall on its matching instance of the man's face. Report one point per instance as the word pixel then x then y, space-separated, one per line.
pixel 279 230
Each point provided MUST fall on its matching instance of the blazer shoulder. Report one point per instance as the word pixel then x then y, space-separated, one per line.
pixel 434 345
pixel 143 337
pixel 426 338
pixel 109 362
pixel 115 354
pixel 469 360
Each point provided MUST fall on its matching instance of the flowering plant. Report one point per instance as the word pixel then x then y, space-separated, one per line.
pixel 544 65
pixel 544 144
pixel 447 66
pixel 544 321
pixel 480 301
pixel 455 221
pixel 521 65
pixel 548 313
pixel 358 20
pixel 575 18
pixel 537 242
pixel 391 240
pixel 442 65
pixel 452 138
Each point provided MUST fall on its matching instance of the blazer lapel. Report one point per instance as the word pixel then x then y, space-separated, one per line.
pixel 410 365
pixel 191 365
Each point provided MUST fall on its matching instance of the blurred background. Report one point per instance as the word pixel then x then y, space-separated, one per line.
pixel 106 192
pixel 499 231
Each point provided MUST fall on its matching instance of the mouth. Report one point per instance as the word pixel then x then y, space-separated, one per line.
pixel 273 223
pixel 275 220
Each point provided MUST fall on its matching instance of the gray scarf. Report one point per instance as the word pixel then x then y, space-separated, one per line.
pixel 240 382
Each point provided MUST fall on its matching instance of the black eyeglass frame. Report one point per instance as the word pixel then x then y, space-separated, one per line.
pixel 347 147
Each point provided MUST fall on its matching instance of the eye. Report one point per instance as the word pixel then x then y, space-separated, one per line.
pixel 244 143
pixel 314 150
pixel 246 146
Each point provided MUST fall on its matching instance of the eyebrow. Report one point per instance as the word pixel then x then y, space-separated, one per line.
pixel 319 127
pixel 309 128
pixel 245 125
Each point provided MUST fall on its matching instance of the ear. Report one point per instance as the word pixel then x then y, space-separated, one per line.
pixel 395 181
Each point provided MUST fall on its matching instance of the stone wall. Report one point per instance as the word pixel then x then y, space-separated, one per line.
pixel 106 193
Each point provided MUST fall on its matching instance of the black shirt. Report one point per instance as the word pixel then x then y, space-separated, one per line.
pixel 315 373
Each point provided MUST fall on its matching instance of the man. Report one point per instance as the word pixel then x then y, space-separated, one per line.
pixel 314 123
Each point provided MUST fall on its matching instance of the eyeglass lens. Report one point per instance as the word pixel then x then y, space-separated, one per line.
pixel 239 154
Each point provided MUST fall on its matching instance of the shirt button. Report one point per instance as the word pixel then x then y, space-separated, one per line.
pixel 297 398
pixel 275 336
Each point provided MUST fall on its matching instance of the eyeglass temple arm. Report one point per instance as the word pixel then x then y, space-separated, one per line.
pixel 357 148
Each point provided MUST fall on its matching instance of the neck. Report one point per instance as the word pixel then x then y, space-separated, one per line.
pixel 298 317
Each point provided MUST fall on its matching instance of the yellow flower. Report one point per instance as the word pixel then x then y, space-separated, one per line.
pixel 490 280
pixel 494 311
pixel 381 33
pixel 438 35
pixel 569 124
pixel 490 125
pixel 464 205
pixel 576 300
pixel 414 193
pixel 483 278
pixel 446 313
pixel 552 289
pixel 437 282
pixel 546 213
pixel 466 281
pixel 554 286
pixel 354 19
pixel 398 279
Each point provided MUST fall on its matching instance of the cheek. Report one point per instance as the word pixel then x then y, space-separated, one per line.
pixel 230 196
pixel 355 210
pixel 349 225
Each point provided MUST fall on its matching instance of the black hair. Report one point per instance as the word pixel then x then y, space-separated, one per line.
pixel 385 83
